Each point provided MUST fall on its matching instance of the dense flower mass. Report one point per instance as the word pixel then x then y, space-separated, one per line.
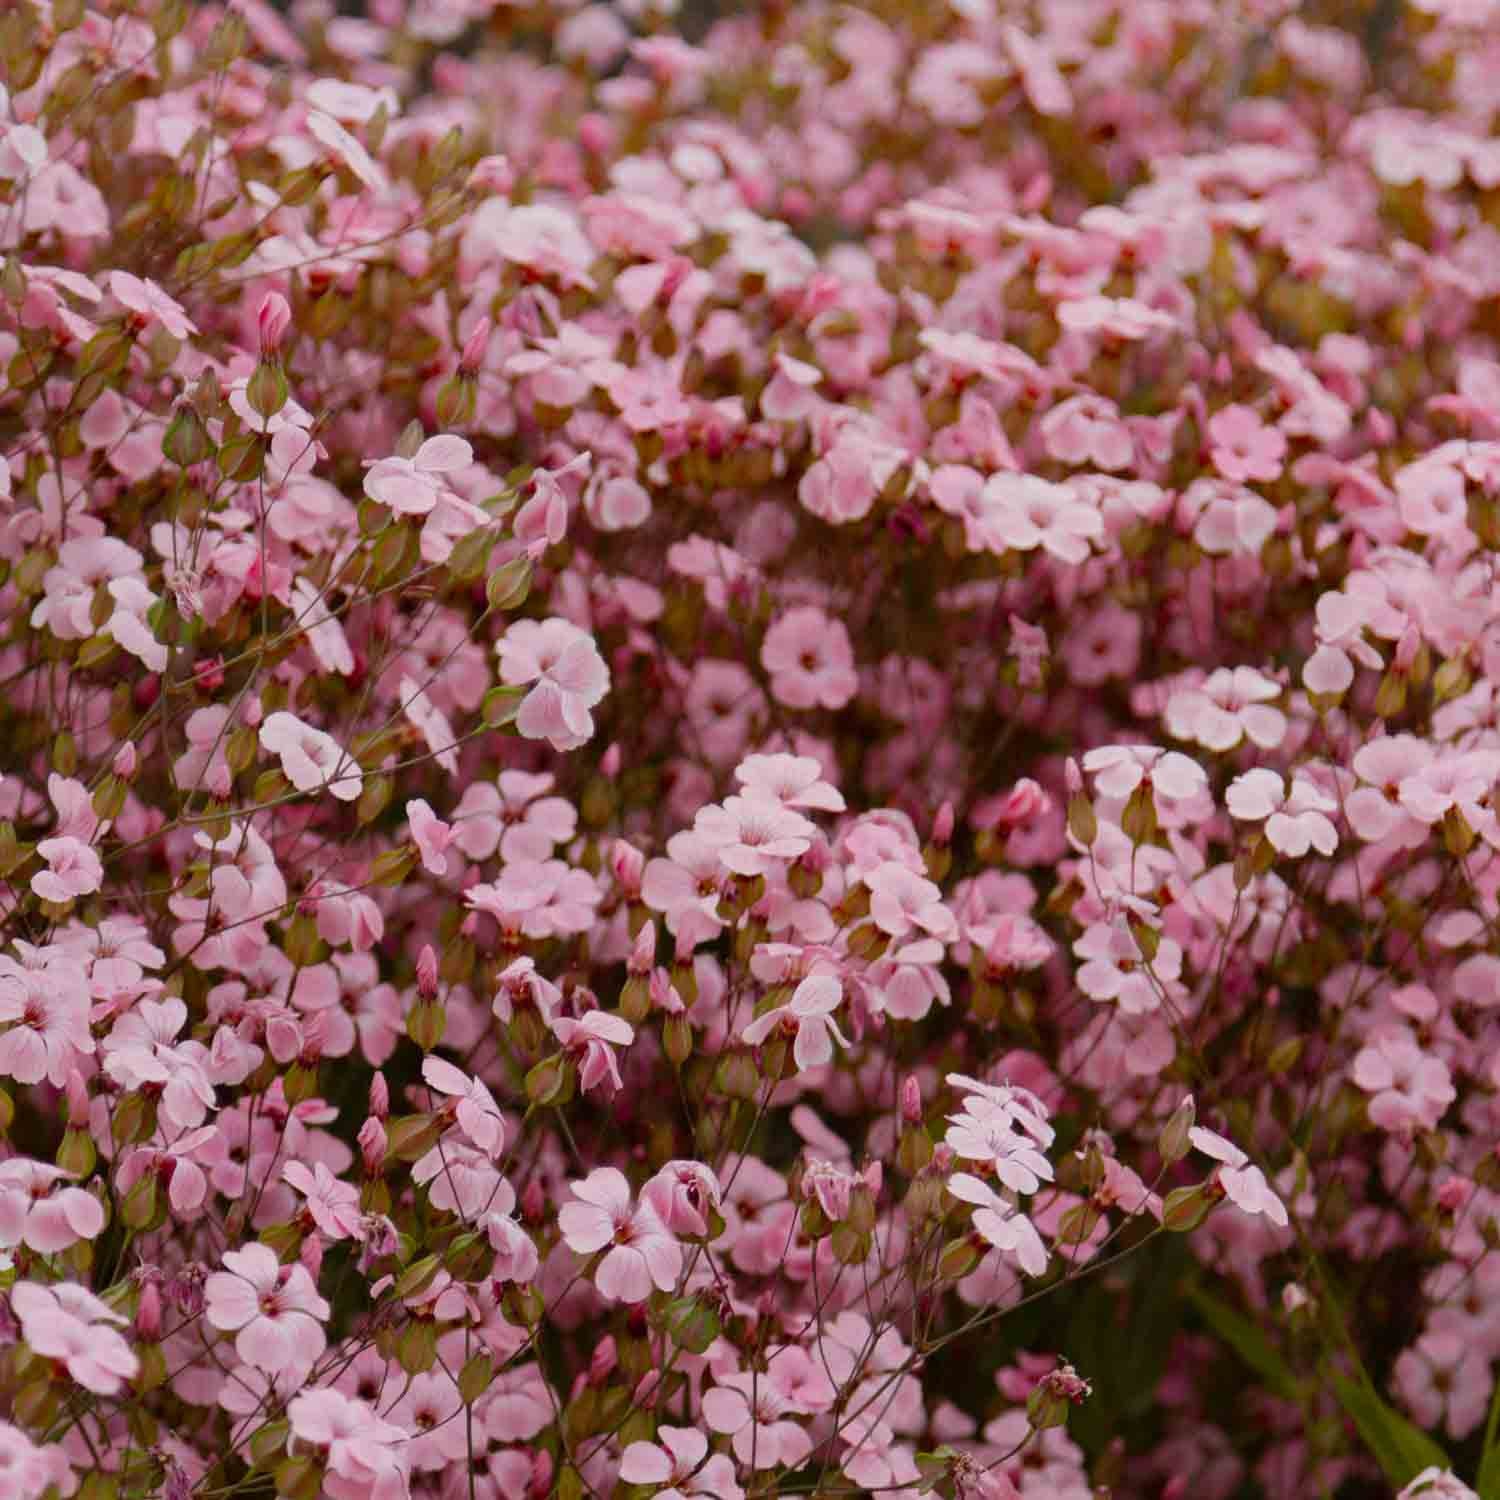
pixel 750 754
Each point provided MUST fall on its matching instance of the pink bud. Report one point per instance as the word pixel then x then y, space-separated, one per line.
pixel 603 1360
pixel 1407 648
pixel 272 322
pixel 148 1314
pixel 609 762
pixel 942 826
pixel 627 864
pixel 647 1391
pixel 643 950
pixel 372 1144
pixel 541 1475
pixel 533 1201
pixel 78 1100
pixel 911 1100
pixel 427 973
pixel 664 994
pixel 124 762
pixel 943 1157
pixel 474 349
pixel 1073 777
pixel 1454 1194
pixel 380 1096
pixel 492 174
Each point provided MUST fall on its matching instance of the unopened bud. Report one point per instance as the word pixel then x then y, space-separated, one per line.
pixel 271 323
pixel 911 1100
pixel 148 1314
pixel 380 1096
pixel 427 973
pixel 942 826
pixel 124 763
pixel 78 1100
pixel 372 1144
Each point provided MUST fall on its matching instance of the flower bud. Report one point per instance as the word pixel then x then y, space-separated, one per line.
pixel 124 763
pixel 148 1314
pixel 380 1096
pixel 472 356
pixel 911 1100
pixel 372 1145
pixel 271 323
pixel 427 973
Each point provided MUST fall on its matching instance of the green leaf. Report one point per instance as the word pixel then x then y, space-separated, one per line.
pixel 1248 1342
pixel 1402 1449
pixel 692 1323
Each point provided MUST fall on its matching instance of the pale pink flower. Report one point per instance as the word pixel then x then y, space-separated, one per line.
pixel 274 1311
pixel 590 1042
pixel 791 780
pixel 570 676
pixel 150 304
pixel 431 723
pixel 70 1325
pixel 753 837
pixel 1024 512
pixel 1002 1225
pixel 640 1252
pixel 50 1006
pixel 1295 821
pixel 333 1206
pixel 40 1209
pixel 73 869
pixel 142 1052
pixel 412 486
pixel 365 1456
pixel 310 759
pixel 901 902
pixel 431 835
pixel 475 1109
pixel 810 659
pixel 1242 447
pixel 1115 968
pixel 1119 769
pixel 1244 1185
pixel 1412 1089
pixel 1445 1379
pixel 679 1466
pixel 1232 704
pixel 756 1416
pixel 807 1017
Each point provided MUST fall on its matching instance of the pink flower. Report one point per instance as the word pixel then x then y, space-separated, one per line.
pixel 810 660
pixel 1295 821
pixel 1242 447
pixel 50 1006
pixel 274 1311
pixel 791 780
pixel 1004 1127
pixel 310 759
pixel 755 1414
pixel 513 815
pixel 902 902
pixel 641 1252
pixel 37 1210
pixel 1412 1089
pixel 1119 769
pixel 365 1457
pixel 73 869
pixel 1115 968
pixel 570 677
pixel 69 1324
pixel 1444 1378
pixel 807 1017
pixel 1002 1225
pixel 1232 704
pixel 753 837
pixel 150 304
pixel 1244 1185
pixel 680 1466
pixel 1024 512
pixel 412 486
pixel 591 1043
pixel 431 836
pixel 333 1206
pixel 475 1109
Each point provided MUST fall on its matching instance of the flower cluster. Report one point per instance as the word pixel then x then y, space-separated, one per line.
pixel 749 760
